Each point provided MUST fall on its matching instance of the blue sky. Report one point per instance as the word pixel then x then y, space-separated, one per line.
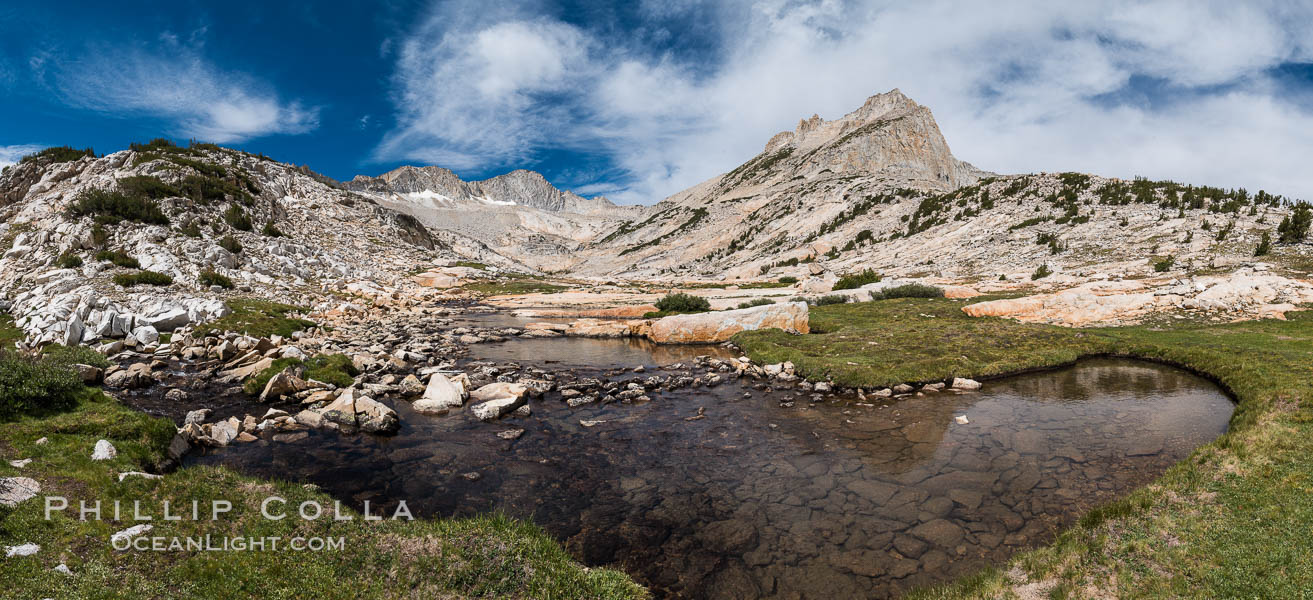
pixel 638 100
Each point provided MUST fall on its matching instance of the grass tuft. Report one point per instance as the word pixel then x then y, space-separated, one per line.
pixel 259 318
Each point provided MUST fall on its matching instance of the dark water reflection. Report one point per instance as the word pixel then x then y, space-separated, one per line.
pixel 835 500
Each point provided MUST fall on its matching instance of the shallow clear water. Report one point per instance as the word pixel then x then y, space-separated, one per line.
pixel 758 499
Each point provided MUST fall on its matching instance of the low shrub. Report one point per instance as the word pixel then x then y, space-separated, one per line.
pixel 1164 265
pixel 237 218
pixel 911 290
pixel 109 207
pixel 856 280
pixel 99 237
pixel 208 188
pixel 270 231
pixel 146 186
pixel 682 303
pixel 788 279
pixel 209 277
pixel 1294 227
pixel 35 386
pixel 191 229
pixel 118 258
pixel 155 145
pixel 831 299
pixel 230 244
pixel 58 154
pixel 69 261
pixel 1264 245
pixel 756 302
pixel 74 355
pixel 1042 272
pixel 142 278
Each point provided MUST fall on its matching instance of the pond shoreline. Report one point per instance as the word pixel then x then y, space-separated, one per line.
pixel 583 553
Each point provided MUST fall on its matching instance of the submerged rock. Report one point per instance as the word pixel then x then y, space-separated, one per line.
pixel 375 417
pixel 495 409
pixel 499 390
pixel 351 409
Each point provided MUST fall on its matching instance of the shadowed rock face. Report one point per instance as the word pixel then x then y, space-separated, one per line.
pixel 719 326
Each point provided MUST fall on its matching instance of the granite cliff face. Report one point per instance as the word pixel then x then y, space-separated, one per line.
pixel 776 202
pixel 890 135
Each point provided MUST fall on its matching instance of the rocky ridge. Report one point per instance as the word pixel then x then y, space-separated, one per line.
pixel 518 214
pixel 221 223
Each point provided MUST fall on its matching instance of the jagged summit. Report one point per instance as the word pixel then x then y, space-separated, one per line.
pixel 890 134
pixel 517 214
pixel 520 187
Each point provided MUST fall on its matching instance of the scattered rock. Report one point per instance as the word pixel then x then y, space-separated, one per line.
pixel 197 417
pixel 282 384
pixel 90 375
pixel 499 390
pixel 440 396
pixel 104 451
pixel 375 417
pixel 135 376
pixel 14 490
pixel 962 383
pixel 411 386
pixel 131 532
pixel 21 550
pixel 495 409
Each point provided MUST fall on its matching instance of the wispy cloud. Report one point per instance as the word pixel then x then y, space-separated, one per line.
pixel 177 83
pixel 10 154
pixel 1165 89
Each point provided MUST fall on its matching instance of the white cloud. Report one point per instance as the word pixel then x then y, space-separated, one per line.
pixel 177 84
pixel 10 154
pixel 1017 87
